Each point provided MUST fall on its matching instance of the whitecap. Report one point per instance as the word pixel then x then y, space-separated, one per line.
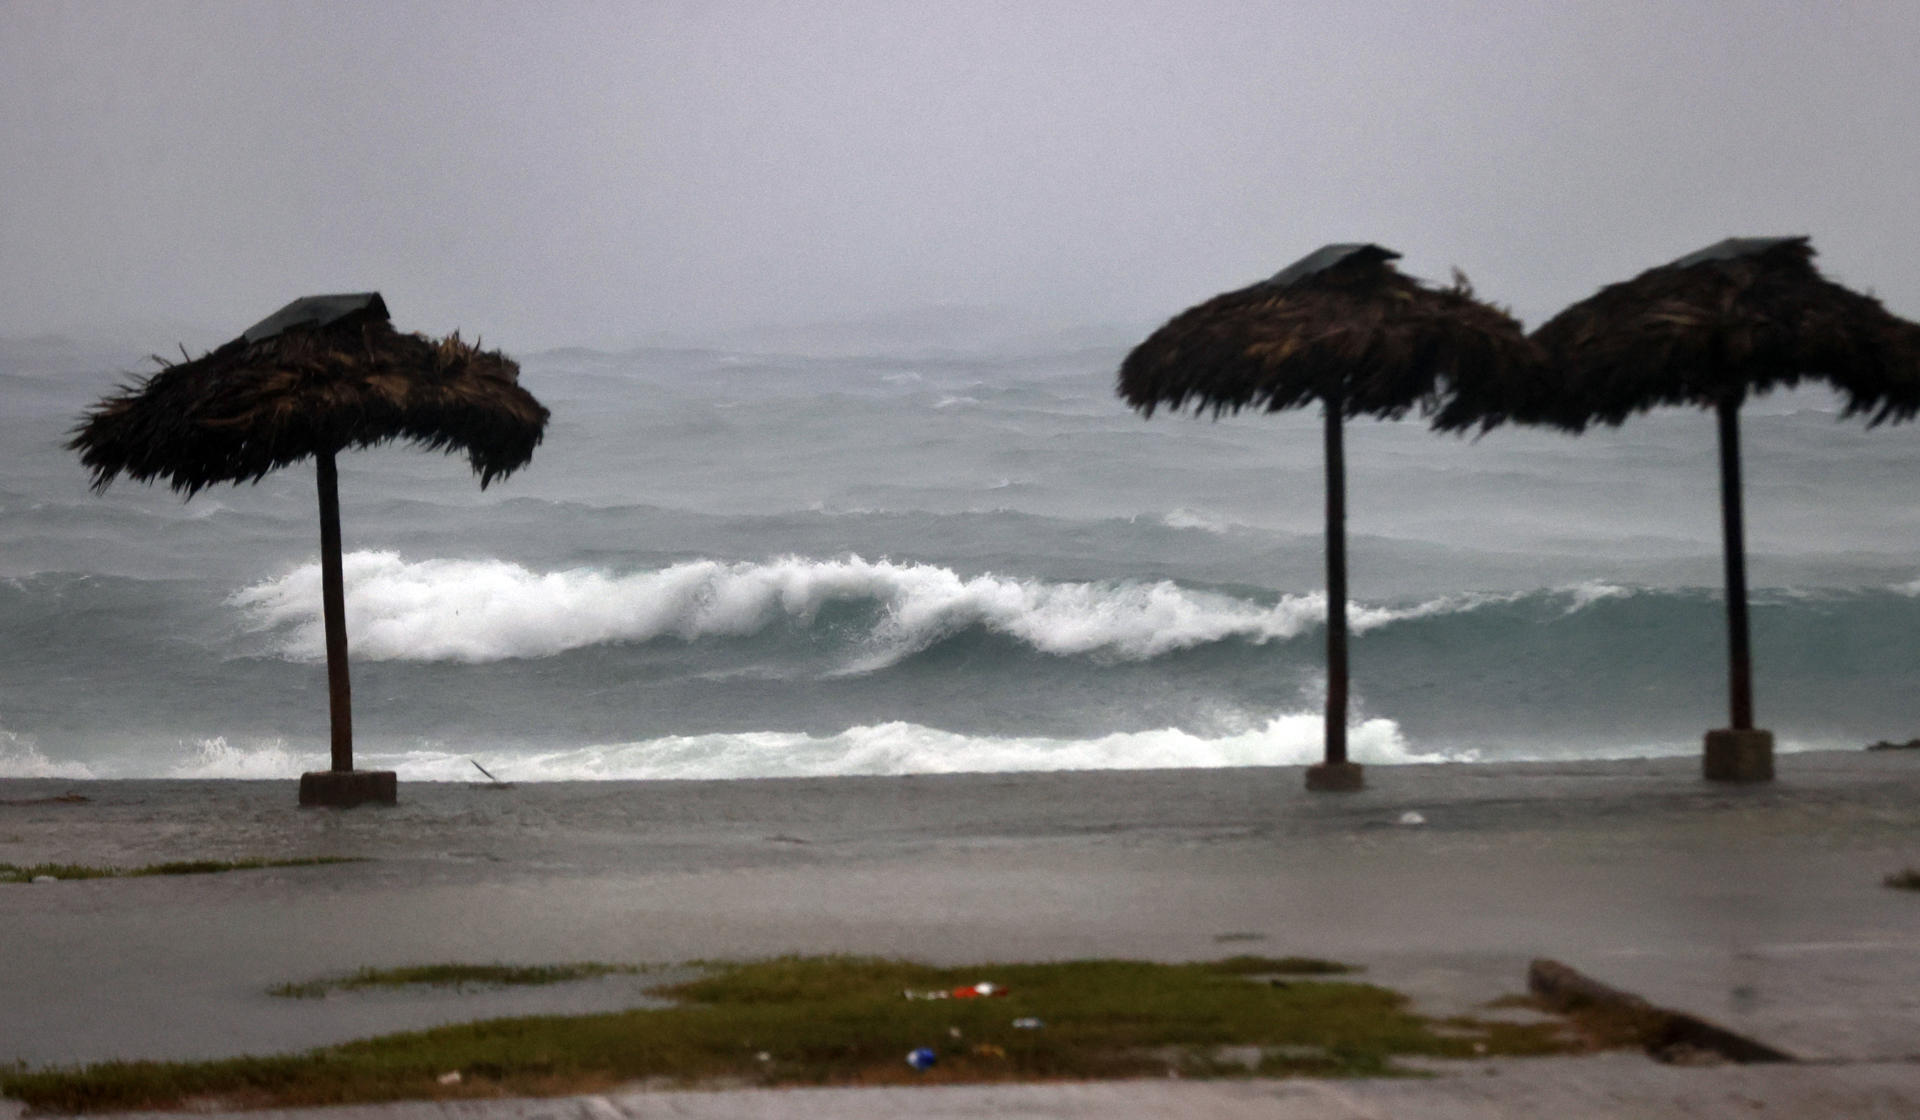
pixel 270 758
pixel 1192 519
pixel 20 757
pixel 1291 739
pixel 1581 596
pixel 491 610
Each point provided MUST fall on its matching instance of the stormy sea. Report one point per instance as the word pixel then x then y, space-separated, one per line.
pixel 870 554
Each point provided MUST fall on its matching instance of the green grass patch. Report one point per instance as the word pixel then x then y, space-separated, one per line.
pixel 844 1021
pixel 1907 880
pixel 16 873
pixel 452 976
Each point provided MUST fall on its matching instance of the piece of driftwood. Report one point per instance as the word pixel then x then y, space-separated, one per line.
pixel 1669 1036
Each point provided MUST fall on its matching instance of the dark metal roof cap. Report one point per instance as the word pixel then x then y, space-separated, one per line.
pixel 1324 258
pixel 1733 248
pixel 316 311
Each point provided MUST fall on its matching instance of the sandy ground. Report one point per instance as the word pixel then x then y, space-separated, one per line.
pixel 1759 908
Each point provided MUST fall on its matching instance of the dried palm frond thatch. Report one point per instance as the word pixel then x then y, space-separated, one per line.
pixel 265 401
pixel 1738 318
pixel 1343 327
pixel 320 375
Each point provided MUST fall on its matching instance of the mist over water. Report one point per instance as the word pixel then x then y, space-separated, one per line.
pixel 868 559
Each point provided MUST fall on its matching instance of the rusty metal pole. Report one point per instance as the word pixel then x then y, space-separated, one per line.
pixel 334 608
pixel 1739 652
pixel 1336 584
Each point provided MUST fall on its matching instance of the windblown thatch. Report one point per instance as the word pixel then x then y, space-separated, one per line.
pixel 1735 319
pixel 322 375
pixel 1344 327
pixel 1740 317
pixel 1341 325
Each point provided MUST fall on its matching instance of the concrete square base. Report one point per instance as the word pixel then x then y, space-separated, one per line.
pixel 1738 756
pixel 343 789
pixel 1335 777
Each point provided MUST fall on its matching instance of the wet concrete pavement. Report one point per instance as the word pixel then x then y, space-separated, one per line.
pixel 1759 908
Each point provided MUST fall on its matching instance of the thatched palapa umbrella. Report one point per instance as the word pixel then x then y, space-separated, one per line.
pixel 1738 318
pixel 320 375
pixel 1343 327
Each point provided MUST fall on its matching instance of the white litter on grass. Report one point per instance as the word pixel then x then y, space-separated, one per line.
pixel 1412 817
pixel 46 879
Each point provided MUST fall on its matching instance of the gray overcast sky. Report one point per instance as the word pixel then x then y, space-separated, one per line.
pixel 549 173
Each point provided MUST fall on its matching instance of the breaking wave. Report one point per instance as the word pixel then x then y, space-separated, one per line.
pixel 906 748
pixel 20 757
pixel 492 610
pixel 883 749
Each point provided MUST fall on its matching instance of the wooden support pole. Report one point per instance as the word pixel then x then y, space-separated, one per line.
pixel 1734 548
pixel 333 602
pixel 1336 584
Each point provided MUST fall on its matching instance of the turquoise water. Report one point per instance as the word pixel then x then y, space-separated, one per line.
pixel 737 564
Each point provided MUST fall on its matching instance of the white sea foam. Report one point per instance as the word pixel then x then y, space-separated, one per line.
pixel 1587 594
pixel 905 748
pixel 1194 519
pixel 882 749
pixel 490 610
pixel 1362 618
pixel 216 758
pixel 20 757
